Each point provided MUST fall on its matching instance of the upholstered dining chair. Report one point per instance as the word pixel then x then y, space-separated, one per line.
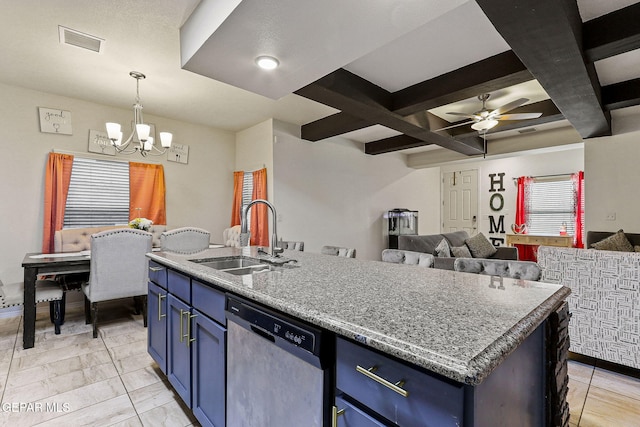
pixel 231 236
pixel 291 245
pixel 119 269
pixel 526 270
pixel 338 251
pixel 185 240
pixel 12 294
pixel 399 256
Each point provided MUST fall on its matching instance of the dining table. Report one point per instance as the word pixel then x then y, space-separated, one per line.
pixel 39 264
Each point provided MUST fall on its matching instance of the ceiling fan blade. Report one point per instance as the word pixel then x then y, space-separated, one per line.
pixel 455 126
pixel 518 116
pixel 508 107
pixel 469 116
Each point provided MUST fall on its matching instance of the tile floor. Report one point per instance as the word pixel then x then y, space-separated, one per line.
pixel 73 379
pixel 602 398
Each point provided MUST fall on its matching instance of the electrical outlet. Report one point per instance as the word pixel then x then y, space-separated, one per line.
pixel 611 216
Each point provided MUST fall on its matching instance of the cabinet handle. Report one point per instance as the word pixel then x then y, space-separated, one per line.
pixel 156 269
pixel 182 335
pixel 335 413
pixel 160 315
pixel 189 339
pixel 370 373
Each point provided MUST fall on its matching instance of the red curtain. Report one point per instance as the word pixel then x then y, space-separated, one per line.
pixel 525 252
pixel 259 219
pixel 578 182
pixel 147 192
pixel 236 207
pixel 56 188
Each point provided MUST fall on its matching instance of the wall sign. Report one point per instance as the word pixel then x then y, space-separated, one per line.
pixel 100 143
pixel 55 121
pixel 178 153
pixel 496 203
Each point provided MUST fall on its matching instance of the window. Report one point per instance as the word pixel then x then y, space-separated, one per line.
pixel 247 192
pixel 98 193
pixel 551 203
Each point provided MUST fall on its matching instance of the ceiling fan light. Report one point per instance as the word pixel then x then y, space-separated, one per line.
pixel 484 125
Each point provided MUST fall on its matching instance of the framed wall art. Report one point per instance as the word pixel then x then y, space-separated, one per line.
pixel 55 121
pixel 100 143
pixel 178 153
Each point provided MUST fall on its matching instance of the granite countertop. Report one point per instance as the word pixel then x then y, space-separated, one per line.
pixel 459 325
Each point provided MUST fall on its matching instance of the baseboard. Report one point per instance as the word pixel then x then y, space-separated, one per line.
pixel 604 364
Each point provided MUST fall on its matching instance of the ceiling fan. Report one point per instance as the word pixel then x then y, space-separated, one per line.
pixel 485 119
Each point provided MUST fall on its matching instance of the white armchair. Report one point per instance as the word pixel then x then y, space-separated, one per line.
pixel 231 236
pixel 185 240
pixel 119 269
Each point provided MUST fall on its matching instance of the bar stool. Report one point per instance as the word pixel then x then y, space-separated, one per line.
pixel 12 294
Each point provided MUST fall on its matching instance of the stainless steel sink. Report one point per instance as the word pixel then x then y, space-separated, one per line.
pixel 240 265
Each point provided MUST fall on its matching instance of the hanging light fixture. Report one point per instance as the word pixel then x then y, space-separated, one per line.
pixel 142 130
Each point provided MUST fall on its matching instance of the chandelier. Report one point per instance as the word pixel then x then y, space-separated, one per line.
pixel 140 129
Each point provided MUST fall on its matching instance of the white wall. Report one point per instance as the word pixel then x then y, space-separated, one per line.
pixel 331 193
pixel 254 150
pixel 559 162
pixel 197 193
pixel 612 177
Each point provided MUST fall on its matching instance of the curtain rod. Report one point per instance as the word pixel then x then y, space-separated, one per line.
pixel 98 156
pixel 557 175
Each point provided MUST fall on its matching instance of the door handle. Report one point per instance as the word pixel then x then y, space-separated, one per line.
pixel 182 334
pixel 335 413
pixel 160 315
pixel 189 317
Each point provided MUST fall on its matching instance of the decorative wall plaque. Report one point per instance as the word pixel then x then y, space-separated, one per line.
pixel 55 121
pixel 178 153
pixel 100 143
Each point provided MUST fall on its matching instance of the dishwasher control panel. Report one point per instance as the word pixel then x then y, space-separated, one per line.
pixel 274 325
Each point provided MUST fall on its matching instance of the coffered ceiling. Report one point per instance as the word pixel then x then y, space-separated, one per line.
pixel 384 73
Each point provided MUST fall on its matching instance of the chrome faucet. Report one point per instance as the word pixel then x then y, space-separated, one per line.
pixel 244 227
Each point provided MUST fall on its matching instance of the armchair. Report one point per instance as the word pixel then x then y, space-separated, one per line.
pixel 119 269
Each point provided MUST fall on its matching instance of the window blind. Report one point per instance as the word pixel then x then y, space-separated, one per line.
pixel 98 193
pixel 551 204
pixel 247 192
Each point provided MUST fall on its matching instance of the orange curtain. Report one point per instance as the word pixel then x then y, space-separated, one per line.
pixel 578 182
pixel 56 188
pixel 236 208
pixel 259 219
pixel 147 192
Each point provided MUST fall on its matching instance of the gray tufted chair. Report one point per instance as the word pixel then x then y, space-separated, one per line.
pixel 185 240
pixel 119 269
pixel 12 294
pixel 399 256
pixel 526 270
pixel 338 251
pixel 291 245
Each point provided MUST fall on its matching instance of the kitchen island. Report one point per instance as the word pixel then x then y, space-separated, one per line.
pixel 493 341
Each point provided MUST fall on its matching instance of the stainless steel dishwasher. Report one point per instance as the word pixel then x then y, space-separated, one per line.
pixel 277 369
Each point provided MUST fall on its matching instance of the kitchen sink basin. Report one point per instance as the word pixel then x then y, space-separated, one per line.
pixel 240 265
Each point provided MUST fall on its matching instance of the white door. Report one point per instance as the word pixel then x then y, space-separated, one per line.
pixel 460 201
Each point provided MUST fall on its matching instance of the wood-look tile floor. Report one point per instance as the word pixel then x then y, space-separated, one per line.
pixel 72 379
pixel 602 398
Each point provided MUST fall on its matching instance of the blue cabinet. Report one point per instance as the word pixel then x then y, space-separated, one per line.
pixel 188 341
pixel 157 325
pixel 348 415
pixel 178 347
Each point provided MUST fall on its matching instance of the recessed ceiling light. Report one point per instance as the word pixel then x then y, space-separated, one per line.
pixel 267 62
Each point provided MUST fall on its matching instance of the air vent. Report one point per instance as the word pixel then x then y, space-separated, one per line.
pixel 527 130
pixel 78 39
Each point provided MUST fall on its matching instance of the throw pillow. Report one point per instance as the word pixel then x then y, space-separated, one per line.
pixel 442 250
pixel 615 242
pixel 480 246
pixel 460 251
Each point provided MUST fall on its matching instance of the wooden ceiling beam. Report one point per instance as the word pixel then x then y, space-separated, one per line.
pixel 360 98
pixel 612 34
pixel 333 125
pixel 621 95
pixel 394 143
pixel 496 72
pixel 547 37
